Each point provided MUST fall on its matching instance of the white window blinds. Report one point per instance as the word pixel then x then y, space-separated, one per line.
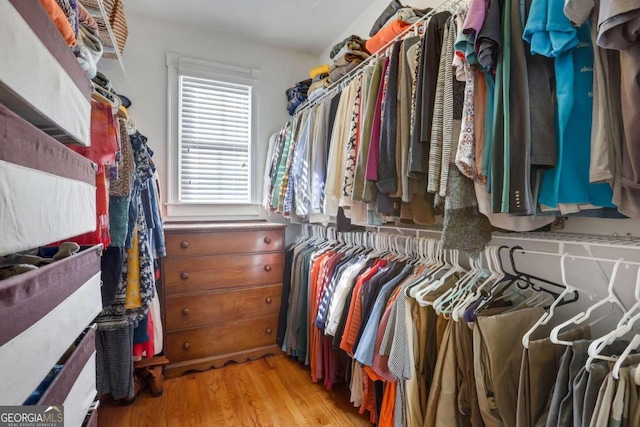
pixel 214 141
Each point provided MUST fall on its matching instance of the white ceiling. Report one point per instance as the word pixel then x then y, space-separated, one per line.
pixel 304 25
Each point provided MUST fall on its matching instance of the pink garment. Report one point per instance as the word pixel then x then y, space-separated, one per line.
pixel 380 363
pixel 371 173
pixel 146 349
pixel 475 16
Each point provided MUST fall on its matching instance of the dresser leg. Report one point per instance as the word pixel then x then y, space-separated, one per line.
pixel 149 371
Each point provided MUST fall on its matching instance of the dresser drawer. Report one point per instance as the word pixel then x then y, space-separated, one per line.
pixel 184 312
pixel 222 339
pixel 223 242
pixel 203 274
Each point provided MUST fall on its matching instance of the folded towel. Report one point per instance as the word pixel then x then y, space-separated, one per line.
pixel 385 35
pixel 323 69
pixel 407 15
pixel 318 84
pixel 339 46
pixel 338 72
pixel 352 48
pixel 60 20
pixel 84 17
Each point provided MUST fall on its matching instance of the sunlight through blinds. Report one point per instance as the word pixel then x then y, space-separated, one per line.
pixel 215 141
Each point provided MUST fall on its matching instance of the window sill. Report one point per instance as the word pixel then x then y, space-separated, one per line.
pixel 204 212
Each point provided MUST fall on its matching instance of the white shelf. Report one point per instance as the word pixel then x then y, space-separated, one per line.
pixel 110 45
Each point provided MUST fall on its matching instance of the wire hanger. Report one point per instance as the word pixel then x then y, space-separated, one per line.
pixel 582 316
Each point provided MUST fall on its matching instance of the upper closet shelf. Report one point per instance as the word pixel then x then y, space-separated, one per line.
pixel 113 39
pixel 42 81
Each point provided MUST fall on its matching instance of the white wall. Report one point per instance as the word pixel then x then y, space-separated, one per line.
pixel 146 85
pixel 362 25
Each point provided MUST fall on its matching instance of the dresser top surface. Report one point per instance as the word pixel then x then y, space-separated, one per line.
pixel 222 226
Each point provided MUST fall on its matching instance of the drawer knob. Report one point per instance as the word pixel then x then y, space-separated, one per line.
pixel 268 300
pixel 267 240
pixel 186 345
pixel 267 268
pixel 185 311
pixel 184 275
pixel 184 244
pixel 269 331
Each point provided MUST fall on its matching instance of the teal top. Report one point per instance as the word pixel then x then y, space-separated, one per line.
pixel 550 33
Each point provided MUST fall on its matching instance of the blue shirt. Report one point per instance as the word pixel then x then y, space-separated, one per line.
pixel 366 346
pixel 550 33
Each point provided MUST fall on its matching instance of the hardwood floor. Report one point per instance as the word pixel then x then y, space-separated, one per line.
pixel 273 391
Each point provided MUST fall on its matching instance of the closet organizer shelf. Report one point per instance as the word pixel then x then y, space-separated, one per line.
pixel 621 242
pixel 48 190
pixel 101 15
pixel 222 285
pixel 344 80
pixel 42 312
pixel 42 80
pixel 74 387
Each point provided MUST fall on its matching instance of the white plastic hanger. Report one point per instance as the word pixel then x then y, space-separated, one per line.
pixel 633 345
pixel 433 268
pixel 582 316
pixel 448 301
pixel 547 315
pixel 436 280
pixel 468 298
pixel 116 103
pixel 453 292
pixel 495 275
pixel 454 269
pixel 624 326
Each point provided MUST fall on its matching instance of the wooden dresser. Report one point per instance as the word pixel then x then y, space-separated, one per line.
pixel 222 285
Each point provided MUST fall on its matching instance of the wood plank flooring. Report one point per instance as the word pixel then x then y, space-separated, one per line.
pixel 273 391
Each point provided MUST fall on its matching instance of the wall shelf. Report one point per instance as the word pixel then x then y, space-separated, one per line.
pixel 110 44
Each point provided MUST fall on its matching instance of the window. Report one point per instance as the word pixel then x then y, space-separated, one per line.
pixel 214 141
pixel 211 147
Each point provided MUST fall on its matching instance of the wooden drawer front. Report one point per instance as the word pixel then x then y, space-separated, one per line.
pixel 194 311
pixel 223 339
pixel 203 274
pixel 224 242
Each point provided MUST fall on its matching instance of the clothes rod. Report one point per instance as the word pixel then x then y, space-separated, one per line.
pixel 573 257
pixel 344 80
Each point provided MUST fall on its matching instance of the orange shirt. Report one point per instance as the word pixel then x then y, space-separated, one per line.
pixel 60 20
pixel 354 318
pixel 385 35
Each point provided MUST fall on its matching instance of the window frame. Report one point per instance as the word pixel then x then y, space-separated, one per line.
pixel 175 209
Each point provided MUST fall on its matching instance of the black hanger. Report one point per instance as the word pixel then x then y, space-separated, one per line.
pixel 523 281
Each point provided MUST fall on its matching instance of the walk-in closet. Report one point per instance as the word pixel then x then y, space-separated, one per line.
pixel 393 213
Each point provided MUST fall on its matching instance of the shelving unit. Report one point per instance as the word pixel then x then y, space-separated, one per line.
pixel 110 44
pixel 33 43
pixel 48 194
